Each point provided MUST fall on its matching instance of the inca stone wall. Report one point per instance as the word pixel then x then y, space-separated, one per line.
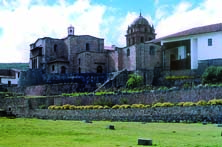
pixel 23 107
pixel 170 114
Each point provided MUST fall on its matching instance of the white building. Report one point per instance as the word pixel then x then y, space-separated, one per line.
pixel 9 76
pixel 192 48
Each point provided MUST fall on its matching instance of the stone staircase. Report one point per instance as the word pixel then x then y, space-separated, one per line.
pixel 112 77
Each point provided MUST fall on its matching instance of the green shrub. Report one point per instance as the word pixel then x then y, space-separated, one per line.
pixel 134 80
pixel 72 107
pixel 163 88
pixel 167 104
pixel 147 106
pixel 157 105
pixel 66 107
pixel 215 102
pixel 58 107
pixel 97 107
pixel 79 107
pixel 125 106
pixel 180 104
pixel 100 107
pixel 188 104
pixel 115 107
pixel 178 77
pixel 52 107
pixel 106 107
pixel 137 106
pixel 201 103
pixel 212 75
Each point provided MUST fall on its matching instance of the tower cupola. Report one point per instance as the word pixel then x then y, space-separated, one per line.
pixel 139 31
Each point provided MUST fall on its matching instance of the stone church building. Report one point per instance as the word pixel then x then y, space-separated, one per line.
pixel 88 54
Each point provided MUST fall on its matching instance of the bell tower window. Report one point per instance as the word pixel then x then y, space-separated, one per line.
pixel 128 52
pixel 55 47
pixel 87 47
pixel 70 30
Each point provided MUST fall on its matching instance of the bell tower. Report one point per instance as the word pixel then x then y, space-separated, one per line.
pixel 70 30
pixel 139 31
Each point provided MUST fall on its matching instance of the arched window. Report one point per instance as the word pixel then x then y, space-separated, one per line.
pixel 99 69
pixel 87 47
pixel 53 67
pixel 128 52
pixel 63 70
pixel 55 47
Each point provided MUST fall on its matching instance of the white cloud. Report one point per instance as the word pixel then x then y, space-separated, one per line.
pixel 24 21
pixel 184 16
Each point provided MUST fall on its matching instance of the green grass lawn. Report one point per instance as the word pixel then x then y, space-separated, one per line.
pixel 48 133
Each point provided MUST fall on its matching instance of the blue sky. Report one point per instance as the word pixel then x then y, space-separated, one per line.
pixel 22 22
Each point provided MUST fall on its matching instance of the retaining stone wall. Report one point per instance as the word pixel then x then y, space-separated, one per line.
pixel 170 114
pixel 30 107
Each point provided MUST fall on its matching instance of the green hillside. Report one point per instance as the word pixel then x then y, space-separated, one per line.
pixel 22 66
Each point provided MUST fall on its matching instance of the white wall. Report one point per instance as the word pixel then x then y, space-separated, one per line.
pixel 12 79
pixel 209 52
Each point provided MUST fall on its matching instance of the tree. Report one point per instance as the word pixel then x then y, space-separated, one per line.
pixel 134 80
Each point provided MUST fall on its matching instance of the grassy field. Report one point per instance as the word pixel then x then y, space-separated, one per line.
pixel 48 133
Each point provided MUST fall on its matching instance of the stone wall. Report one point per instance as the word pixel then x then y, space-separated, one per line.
pixel 149 97
pixel 167 114
pixel 23 107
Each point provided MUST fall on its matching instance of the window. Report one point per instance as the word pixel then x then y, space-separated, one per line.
pixel 18 75
pixel 210 43
pixel 79 70
pixel 87 46
pixel 99 69
pixel 63 70
pixel 141 39
pixel 9 83
pixel 128 52
pixel 0 80
pixel 53 67
pixel 152 50
pixel 55 47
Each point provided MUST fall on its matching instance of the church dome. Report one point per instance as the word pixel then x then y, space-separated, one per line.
pixel 140 21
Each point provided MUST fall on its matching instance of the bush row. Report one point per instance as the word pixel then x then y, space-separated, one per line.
pixel 126 106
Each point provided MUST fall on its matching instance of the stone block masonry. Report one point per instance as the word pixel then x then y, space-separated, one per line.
pixel 24 107
pixel 168 114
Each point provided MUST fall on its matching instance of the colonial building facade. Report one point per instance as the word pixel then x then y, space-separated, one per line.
pixel 87 54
